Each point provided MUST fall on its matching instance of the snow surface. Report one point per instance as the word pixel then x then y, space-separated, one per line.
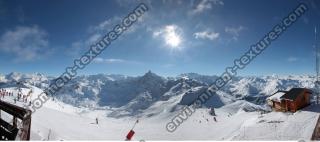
pixel 236 121
pixel 154 100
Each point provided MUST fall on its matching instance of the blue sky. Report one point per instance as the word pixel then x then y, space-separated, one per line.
pixel 46 36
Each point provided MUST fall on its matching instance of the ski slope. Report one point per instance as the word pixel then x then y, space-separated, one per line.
pixel 235 121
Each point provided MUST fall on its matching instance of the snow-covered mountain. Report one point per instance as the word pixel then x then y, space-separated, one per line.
pixel 119 100
pixel 133 95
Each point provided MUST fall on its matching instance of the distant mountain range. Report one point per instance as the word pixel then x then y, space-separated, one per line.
pixel 133 95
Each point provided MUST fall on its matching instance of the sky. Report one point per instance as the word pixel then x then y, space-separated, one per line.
pixel 172 37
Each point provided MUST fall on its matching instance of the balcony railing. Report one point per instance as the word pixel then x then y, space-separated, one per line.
pixel 12 130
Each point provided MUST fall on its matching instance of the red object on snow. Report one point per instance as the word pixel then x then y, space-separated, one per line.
pixel 130 135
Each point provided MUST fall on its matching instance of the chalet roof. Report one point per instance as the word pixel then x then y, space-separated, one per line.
pixel 276 96
pixel 293 93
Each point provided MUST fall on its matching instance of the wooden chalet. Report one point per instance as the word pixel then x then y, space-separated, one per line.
pixel 291 100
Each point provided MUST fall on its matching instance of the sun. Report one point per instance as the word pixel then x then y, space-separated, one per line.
pixel 172 37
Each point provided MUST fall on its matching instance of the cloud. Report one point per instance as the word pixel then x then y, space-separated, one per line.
pixel 170 33
pixel 94 33
pixel 98 31
pixel 292 59
pixel 168 29
pixel 113 61
pixel 101 60
pixel 26 43
pixel 80 46
pixel 204 5
pixel 105 25
pixel 234 31
pixel 206 35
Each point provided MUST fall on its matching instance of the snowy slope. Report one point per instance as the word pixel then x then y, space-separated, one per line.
pixel 133 95
pixel 236 121
pixel 117 101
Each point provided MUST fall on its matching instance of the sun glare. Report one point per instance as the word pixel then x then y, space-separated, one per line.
pixel 172 38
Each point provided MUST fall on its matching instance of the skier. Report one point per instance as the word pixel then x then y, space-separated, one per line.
pixel 23 98
pixel 214 118
pixel 97 121
pixel 19 95
pixel 212 112
pixel 29 95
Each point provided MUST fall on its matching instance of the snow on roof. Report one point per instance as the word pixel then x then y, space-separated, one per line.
pixel 276 96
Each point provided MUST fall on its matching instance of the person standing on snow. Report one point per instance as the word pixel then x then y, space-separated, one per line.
pixel 214 118
pixel 212 112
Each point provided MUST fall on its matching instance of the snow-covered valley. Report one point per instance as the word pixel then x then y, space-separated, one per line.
pixel 118 101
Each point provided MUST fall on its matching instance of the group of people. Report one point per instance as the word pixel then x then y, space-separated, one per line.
pixel 20 96
pixel 4 92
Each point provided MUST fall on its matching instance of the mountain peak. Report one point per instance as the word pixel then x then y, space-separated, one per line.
pixel 151 77
pixel 150 74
